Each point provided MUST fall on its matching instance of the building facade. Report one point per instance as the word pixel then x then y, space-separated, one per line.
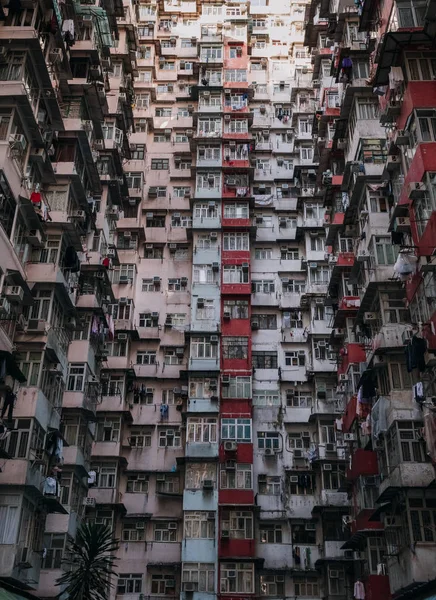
pixel 217 330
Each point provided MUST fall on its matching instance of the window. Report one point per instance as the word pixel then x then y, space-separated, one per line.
pixel 55 547
pixel 336 579
pixel 124 273
pixel 235 347
pixel 237 578
pixel 202 388
pixel 165 532
pixel 263 253
pixel 197 473
pixel 239 524
pixel 167 484
pixel 272 585
pixel 134 180
pixel 129 583
pixel 208 181
pixel 263 286
pixel 236 75
pixel 207 311
pixel 335 478
pixel 385 252
pixel 146 357
pixel 9 518
pixel 239 478
pixel 181 192
pixel 201 430
pixel 203 274
pixel 298 399
pixel 320 275
pixel 236 429
pixel 265 321
pixel 141 438
pixel 106 475
pixel 182 221
pixel 236 211
pixel 295 358
pixel 236 241
pixel 203 574
pixel 236 126
pixel 306 586
pixel 239 387
pixel 203 242
pixel 306 153
pixel 421 66
pixel 322 350
pixel 235 274
pixel 269 485
pixel 169 438
pixel 367 109
pixel 270 534
pixel 175 285
pixel 108 430
pixel 266 398
pixel 422 516
pixel 237 309
pixel 159 584
pixel 133 532
pixel 76 377
pixel 302 485
pixel 160 164
pixel 199 525
pixel 149 286
pixel 317 244
pixel 411 13
pixel 268 440
pixel 202 348
pixel 264 359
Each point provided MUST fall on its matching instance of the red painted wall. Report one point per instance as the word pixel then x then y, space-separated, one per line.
pixel 243 454
pixel 236 497
pixel 236 548
pixel 418 94
pixel 233 407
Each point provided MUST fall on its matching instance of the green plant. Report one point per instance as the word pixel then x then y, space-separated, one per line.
pixel 91 563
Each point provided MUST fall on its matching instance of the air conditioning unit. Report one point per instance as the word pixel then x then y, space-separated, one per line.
pixel 343 377
pixel 34 238
pixel 327 467
pixel 230 465
pixel 362 256
pixel 208 484
pixel 36 325
pixel 18 142
pixel 156 280
pixel 293 479
pixel 393 521
pixel 402 224
pixel 78 215
pixel 225 534
pixel 230 446
pixel 349 437
pixel 369 316
pixel 330 448
pixel 298 453
pixel 214 339
pixel 122 336
pixel 305 434
pixel 225 379
pixel 14 294
pixel 213 235
pixel 269 452
pixel 123 279
pixel 90 502
pixel 401 137
pixel 393 163
pixel 200 302
pixel 189 586
pixel 255 325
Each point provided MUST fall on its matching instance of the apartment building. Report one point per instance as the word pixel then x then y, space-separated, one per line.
pixel 217 230
pixel 375 146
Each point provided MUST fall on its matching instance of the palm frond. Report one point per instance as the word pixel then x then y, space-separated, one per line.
pixel 91 559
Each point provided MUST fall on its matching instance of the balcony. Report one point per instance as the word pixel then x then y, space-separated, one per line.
pixel 230 547
pixel 202 450
pixel 353 354
pixel 407 475
pixel 106 496
pixel 363 462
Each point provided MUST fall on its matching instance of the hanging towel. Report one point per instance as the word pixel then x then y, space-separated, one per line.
pixel 359 590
